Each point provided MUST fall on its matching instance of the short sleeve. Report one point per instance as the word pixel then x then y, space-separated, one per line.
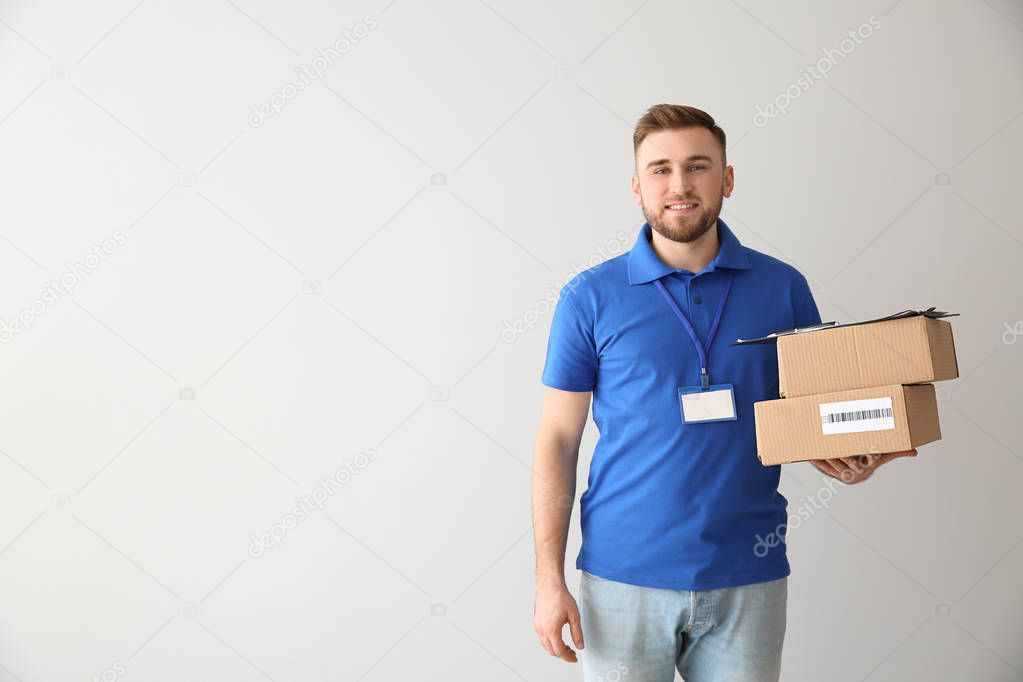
pixel 804 307
pixel 571 351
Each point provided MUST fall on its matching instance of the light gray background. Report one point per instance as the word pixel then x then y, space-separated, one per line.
pixel 339 278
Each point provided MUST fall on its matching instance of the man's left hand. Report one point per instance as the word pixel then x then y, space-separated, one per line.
pixel 852 470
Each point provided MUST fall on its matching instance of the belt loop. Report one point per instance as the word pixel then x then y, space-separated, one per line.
pixel 692 611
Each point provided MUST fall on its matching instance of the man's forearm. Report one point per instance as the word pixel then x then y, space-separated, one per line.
pixel 554 466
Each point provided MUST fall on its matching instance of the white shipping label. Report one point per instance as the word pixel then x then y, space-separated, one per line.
pixel 855 416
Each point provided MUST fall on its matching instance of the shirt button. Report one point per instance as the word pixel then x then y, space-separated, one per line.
pixel 696 300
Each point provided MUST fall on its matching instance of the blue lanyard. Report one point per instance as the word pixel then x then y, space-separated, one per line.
pixel 700 348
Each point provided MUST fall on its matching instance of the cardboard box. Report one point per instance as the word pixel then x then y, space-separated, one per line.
pixel 846 423
pixel 908 350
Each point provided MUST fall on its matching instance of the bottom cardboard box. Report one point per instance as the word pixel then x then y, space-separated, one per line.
pixel 846 423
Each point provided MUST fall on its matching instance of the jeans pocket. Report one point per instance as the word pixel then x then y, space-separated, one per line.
pixel 595 578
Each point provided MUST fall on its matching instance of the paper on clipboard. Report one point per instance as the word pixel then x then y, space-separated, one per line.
pixel 773 337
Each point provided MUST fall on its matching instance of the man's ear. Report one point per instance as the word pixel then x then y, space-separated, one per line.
pixel 729 182
pixel 637 198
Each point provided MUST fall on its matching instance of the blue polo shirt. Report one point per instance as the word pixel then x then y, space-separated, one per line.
pixel 669 504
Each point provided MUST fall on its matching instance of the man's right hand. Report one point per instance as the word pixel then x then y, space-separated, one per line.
pixel 555 607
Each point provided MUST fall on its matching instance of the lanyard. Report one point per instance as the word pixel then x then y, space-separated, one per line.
pixel 700 348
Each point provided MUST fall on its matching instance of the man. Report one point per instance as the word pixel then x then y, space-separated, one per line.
pixel 676 496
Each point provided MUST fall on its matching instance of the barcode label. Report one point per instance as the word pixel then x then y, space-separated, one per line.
pixel 856 416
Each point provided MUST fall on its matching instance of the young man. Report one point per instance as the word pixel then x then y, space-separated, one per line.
pixel 676 499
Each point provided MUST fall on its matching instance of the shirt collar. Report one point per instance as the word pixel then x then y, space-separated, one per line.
pixel 646 266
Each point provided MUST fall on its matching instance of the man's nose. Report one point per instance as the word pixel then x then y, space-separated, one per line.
pixel 680 183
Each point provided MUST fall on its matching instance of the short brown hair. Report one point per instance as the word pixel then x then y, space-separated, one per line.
pixel 673 117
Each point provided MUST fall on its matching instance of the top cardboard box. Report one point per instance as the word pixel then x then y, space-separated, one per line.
pixel 905 350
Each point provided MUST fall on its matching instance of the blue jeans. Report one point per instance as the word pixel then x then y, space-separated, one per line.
pixel 643 634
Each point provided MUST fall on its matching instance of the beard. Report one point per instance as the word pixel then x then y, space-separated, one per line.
pixel 682 229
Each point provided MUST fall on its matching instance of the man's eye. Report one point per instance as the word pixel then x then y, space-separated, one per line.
pixel 696 168
pixel 659 170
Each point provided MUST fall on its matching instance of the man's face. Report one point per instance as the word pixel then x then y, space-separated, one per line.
pixel 681 167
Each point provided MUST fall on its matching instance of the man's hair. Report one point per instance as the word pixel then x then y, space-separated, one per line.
pixel 673 117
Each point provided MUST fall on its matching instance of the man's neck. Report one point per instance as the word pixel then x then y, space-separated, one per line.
pixel 693 256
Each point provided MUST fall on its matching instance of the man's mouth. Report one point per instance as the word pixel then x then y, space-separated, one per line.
pixel 681 208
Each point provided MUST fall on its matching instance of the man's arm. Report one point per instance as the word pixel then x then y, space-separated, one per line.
pixel 554 465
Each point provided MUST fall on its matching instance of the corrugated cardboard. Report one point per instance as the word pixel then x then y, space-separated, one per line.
pixel 904 351
pixel 792 429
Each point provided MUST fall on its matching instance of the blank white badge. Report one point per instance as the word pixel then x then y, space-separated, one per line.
pixel 716 403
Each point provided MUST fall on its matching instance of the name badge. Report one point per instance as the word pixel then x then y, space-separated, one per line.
pixel 713 404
